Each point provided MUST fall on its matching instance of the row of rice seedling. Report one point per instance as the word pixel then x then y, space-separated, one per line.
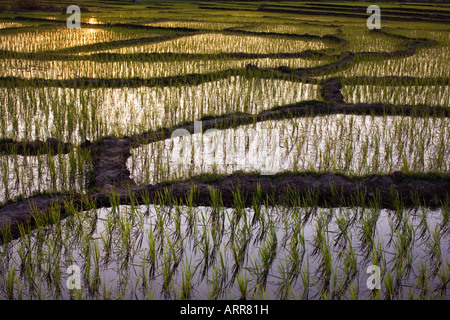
pixel 348 144
pixel 194 24
pixel 27 175
pixel 59 69
pixel 398 95
pixel 54 38
pixel 293 28
pixel 441 36
pixel 73 115
pixel 361 39
pixel 426 62
pixel 179 251
pixel 4 25
pixel 216 43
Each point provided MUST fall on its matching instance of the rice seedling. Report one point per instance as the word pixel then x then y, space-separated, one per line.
pixel 186 286
pixel 10 282
pixel 389 285
pixel 242 281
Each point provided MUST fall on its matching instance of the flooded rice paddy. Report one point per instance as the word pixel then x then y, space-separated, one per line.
pixel 355 145
pixel 179 252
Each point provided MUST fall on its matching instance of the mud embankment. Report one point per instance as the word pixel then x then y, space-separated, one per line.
pixel 33 148
pixel 110 156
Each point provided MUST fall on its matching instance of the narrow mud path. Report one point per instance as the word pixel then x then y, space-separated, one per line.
pixel 110 159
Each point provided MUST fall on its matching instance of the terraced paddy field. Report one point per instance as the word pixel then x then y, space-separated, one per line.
pixel 224 150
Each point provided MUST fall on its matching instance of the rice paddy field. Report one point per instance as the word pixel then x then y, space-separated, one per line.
pixel 224 150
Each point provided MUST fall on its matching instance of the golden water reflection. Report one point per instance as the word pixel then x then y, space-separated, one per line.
pixel 345 144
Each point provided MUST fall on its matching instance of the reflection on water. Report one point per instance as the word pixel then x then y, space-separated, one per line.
pixel 60 38
pixel 295 28
pixel 338 143
pixel 78 114
pixel 91 31
pixel 93 21
pixel 217 43
pixel 364 40
pixel 398 95
pixel 55 69
pixel 25 175
pixel 4 25
pixel 427 62
pixel 442 35
pixel 193 24
pixel 144 251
